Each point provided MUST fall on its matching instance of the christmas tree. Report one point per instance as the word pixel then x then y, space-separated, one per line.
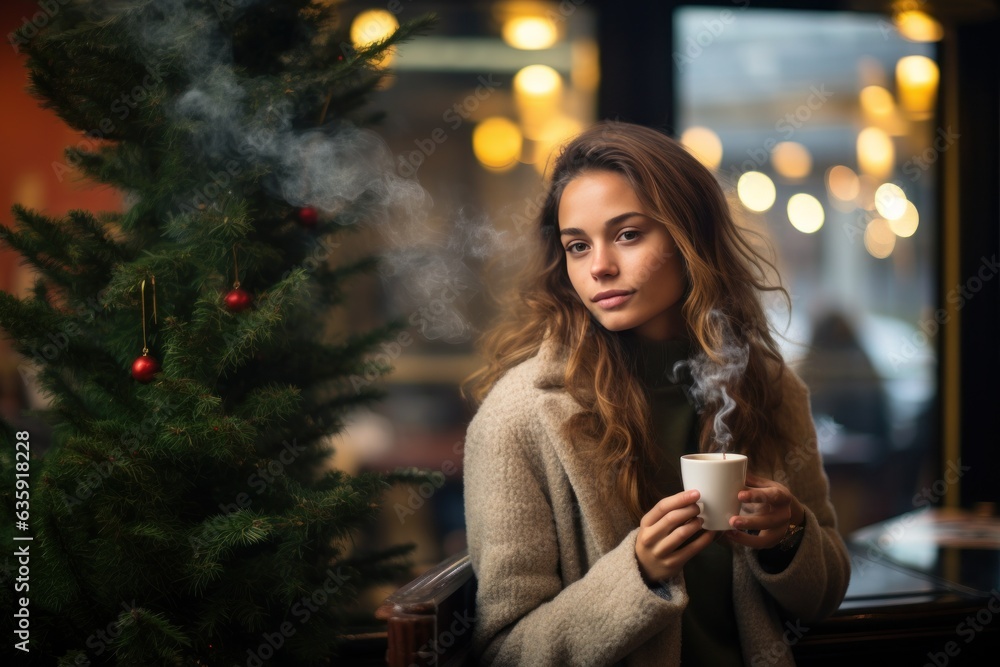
pixel 181 515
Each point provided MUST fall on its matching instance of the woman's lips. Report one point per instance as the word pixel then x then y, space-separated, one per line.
pixel 609 300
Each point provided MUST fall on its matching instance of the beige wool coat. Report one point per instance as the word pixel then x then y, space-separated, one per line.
pixel 554 550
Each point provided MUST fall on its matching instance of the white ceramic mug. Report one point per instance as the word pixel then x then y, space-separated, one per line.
pixel 719 480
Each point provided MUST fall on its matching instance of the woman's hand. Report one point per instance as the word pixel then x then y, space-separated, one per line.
pixel 662 547
pixel 769 507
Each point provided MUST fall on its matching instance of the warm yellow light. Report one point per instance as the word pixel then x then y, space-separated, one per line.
pixel 537 95
pixel 791 159
pixel 876 154
pixel 918 26
pixel 843 183
pixel 756 191
pixel 530 32
pixel 876 102
pixel 906 224
pixel 496 142
pixel 585 70
pixel 917 82
pixel 890 201
pixel 704 144
pixel 879 239
pixel 805 212
pixel 374 26
pixel 553 134
pixel 537 81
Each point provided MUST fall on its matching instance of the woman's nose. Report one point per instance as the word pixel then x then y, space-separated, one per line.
pixel 602 263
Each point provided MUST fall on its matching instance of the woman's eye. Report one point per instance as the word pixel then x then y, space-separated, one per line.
pixel 633 232
pixel 576 247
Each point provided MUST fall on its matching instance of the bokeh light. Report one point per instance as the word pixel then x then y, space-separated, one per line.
pixel 906 225
pixel 890 201
pixel 557 131
pixel 791 159
pixel 805 212
pixel 918 26
pixel 876 154
pixel 371 26
pixel 756 191
pixel 537 81
pixel 704 144
pixel 879 239
pixel 530 32
pixel 917 82
pixel 843 183
pixel 876 102
pixel 496 143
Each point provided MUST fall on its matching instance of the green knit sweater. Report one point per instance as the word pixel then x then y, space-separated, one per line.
pixel 709 635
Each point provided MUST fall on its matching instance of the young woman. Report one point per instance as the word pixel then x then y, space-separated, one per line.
pixel 585 547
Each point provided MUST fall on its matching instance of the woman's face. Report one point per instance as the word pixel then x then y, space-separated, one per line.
pixel 622 263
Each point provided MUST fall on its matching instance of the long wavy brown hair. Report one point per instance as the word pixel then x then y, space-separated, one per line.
pixel 725 275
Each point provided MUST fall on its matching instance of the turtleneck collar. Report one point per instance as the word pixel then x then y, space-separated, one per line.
pixel 653 360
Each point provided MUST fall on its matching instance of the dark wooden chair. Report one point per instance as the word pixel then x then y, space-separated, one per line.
pixel 430 619
pixel 891 612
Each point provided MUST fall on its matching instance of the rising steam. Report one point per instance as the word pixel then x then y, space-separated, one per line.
pixel 351 169
pixel 711 380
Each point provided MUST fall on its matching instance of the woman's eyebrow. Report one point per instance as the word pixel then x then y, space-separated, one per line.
pixel 576 231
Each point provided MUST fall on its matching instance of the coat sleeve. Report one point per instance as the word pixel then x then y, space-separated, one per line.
pixel 524 613
pixel 813 584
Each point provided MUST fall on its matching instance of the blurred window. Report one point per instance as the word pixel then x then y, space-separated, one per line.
pixel 821 128
pixel 472 113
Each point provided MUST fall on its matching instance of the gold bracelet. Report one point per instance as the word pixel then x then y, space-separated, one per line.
pixel 792 536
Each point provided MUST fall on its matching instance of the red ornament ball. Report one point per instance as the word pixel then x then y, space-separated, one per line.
pixel 238 300
pixel 144 368
pixel 308 216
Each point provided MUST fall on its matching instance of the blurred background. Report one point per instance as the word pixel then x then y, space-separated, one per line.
pixel 824 122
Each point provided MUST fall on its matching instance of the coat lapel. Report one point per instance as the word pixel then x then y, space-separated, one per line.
pixel 603 513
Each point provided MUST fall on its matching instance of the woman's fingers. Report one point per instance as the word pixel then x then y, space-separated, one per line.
pixel 769 494
pixel 667 505
pixel 764 540
pixel 652 536
pixel 675 539
pixel 691 547
pixel 670 534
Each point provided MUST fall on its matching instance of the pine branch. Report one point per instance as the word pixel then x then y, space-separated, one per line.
pixel 148 638
pixel 193 498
